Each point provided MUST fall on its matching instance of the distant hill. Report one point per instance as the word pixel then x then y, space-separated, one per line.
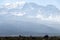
pixel 26 28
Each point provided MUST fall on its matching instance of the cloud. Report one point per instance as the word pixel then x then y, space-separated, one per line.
pixel 50 18
pixel 14 4
pixel 20 3
pixel 10 5
pixel 3 13
pixel 17 14
pixel 44 13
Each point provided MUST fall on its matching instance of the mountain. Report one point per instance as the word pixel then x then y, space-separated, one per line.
pixel 25 28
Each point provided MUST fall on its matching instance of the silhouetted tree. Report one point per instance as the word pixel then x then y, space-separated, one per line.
pixel 46 37
pixel 20 36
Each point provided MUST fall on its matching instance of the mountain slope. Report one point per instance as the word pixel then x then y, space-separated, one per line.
pixel 25 28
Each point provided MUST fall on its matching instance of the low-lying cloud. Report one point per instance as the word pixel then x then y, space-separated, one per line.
pixel 44 13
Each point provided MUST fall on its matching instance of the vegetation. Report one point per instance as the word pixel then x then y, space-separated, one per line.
pixel 46 37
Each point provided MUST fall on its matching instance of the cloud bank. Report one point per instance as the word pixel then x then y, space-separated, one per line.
pixel 31 10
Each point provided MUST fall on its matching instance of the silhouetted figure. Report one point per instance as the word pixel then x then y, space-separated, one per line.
pixel 46 37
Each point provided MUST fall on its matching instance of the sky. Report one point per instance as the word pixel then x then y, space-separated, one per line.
pixel 40 2
pixel 12 10
pixel 46 2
